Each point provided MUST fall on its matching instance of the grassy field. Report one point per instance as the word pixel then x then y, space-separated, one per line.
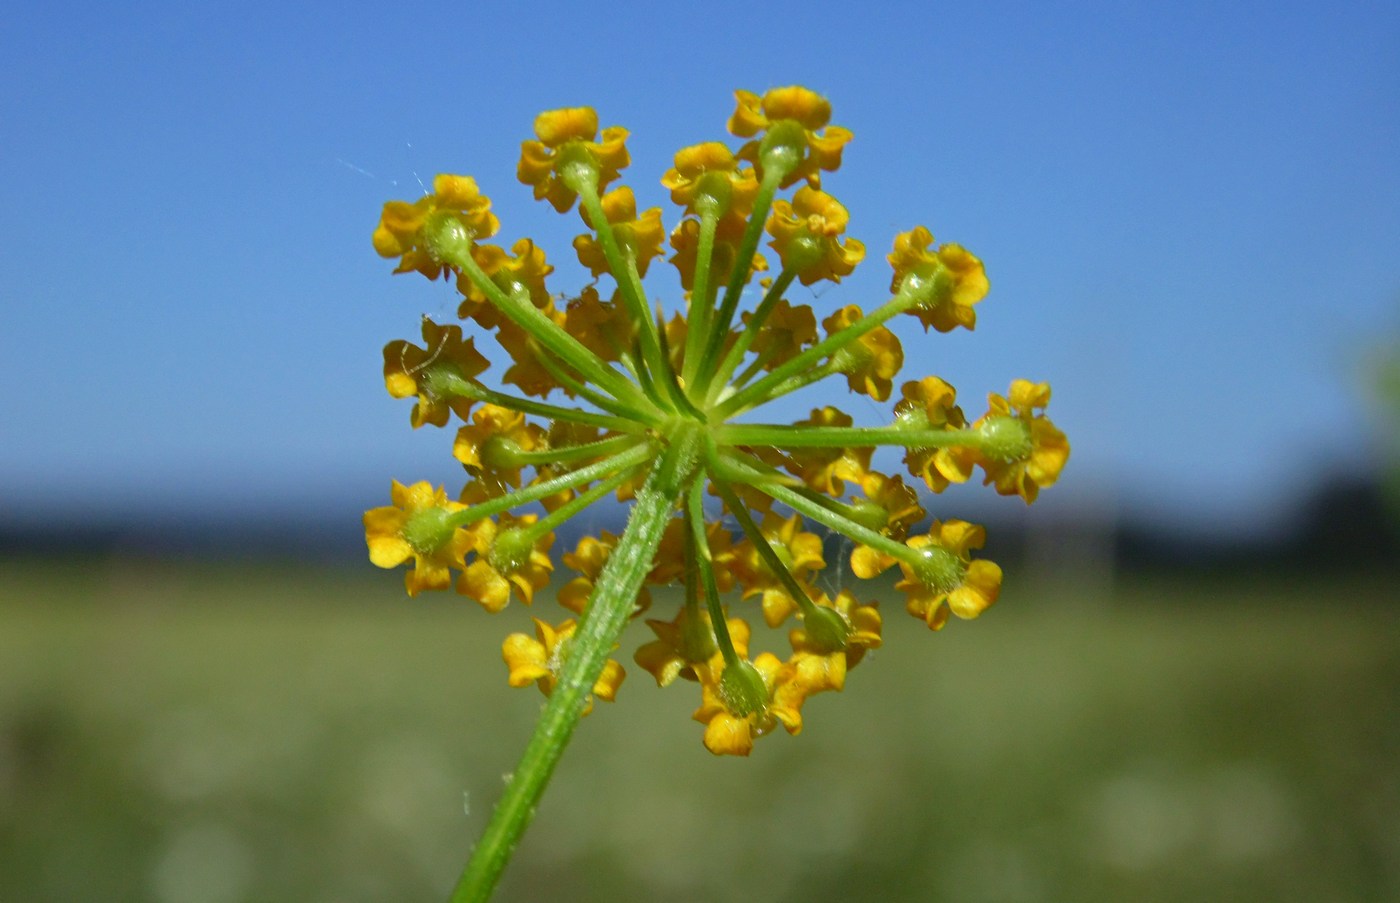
pixel 198 733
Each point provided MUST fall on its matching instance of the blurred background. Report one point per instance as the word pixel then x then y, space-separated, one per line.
pixel 1188 691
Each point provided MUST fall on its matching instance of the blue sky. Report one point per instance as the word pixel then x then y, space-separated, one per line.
pixel 1188 212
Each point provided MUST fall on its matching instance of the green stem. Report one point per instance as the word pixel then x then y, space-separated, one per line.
pixel 743 260
pixel 705 564
pixel 607 614
pixel 570 453
pixel 454 384
pixel 582 390
pixel 765 551
pixel 521 311
pixel 756 365
pixel 623 268
pixel 573 506
pixel 760 315
pixel 911 293
pixel 797 502
pixel 797 435
pixel 537 491
pixel 698 316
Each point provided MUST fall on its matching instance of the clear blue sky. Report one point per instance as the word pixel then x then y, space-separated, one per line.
pixel 1189 212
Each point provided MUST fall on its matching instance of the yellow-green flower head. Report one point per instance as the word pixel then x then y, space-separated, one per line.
pixel 570 137
pixel 863 620
pixel 897 503
pixel 662 403
pixel 639 237
pixel 409 371
pixel 400 229
pixel 806 234
pixel 960 278
pixel 536 660
pixel 818 146
pixel 415 527
pixel 1026 475
pixel 708 176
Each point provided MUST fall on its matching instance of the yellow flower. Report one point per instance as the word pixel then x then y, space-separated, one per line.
pixel 708 173
pixel 406 370
pixel 536 660
pixel 486 445
pixel 806 236
pixel 1049 449
pixel 980 585
pixel 962 280
pixel 399 233
pixel 502 565
pixel 639 238
pixel 415 527
pixel 871 362
pixel 898 504
pixel 786 687
pixel 568 136
pixel 819 670
pixel 820 145
pixel 929 405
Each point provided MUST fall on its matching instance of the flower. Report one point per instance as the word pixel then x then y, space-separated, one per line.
pixel 869 363
pixel 399 233
pixel 569 136
pixel 928 404
pixel 975 591
pixel 536 660
pixel 409 371
pixel 415 527
pixel 806 236
pixel 708 176
pixel 508 560
pixel 960 279
pixel 1040 466
pixel 817 145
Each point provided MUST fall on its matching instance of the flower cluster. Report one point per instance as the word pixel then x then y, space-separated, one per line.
pixel 602 395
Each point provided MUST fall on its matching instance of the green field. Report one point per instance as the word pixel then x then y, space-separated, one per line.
pixel 185 734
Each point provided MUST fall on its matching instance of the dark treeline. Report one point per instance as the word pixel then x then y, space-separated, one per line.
pixel 1346 523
